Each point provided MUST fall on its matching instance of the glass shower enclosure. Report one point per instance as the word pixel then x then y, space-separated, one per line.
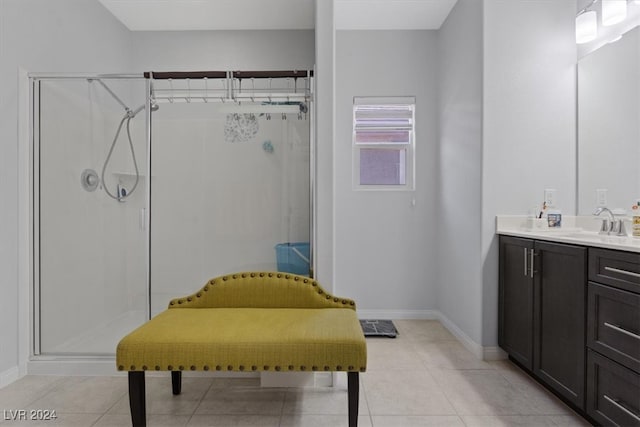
pixel 146 187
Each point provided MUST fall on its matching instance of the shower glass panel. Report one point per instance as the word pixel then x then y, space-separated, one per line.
pixel 90 251
pixel 230 183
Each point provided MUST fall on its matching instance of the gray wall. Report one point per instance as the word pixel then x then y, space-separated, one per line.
pixel 325 140
pixel 384 246
pixel 223 50
pixel 44 36
pixel 529 138
pixel 459 167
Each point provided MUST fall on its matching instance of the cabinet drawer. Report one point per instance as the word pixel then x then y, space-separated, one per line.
pixel 613 324
pixel 613 392
pixel 615 268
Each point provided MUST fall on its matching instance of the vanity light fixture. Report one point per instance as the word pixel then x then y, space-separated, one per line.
pixel 613 11
pixel 586 26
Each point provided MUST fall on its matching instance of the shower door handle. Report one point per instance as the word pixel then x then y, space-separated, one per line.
pixel 143 219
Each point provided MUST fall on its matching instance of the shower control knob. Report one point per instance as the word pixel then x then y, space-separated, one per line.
pixel 89 180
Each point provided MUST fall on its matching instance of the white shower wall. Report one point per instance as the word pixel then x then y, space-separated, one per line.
pixel 91 246
pixel 220 207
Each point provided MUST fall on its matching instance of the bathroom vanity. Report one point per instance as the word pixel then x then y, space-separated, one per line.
pixel 569 314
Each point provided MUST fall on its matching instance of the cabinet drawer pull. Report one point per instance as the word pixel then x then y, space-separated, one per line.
pixel 621 330
pixel 617 270
pixel 526 272
pixel 622 408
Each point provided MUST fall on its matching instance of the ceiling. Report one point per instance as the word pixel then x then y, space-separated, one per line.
pixel 185 15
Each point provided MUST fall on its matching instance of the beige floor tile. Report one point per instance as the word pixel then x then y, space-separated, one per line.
pixel 234 421
pixel 572 420
pixel 482 392
pixel 447 355
pixel 404 393
pixel 232 401
pixel 321 401
pixel 422 378
pixel 417 421
pixel 83 395
pixel 153 420
pixel 426 330
pixel 390 354
pixel 300 420
pixel 511 372
pixel 62 419
pixel 544 402
pixel 235 382
pixel 160 398
pixel 21 393
pixel 508 421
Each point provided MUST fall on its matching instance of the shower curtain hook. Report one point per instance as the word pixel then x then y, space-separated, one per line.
pixel 206 90
pixel 171 91
pixel 188 98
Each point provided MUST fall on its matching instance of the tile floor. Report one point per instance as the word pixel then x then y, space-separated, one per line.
pixel 422 378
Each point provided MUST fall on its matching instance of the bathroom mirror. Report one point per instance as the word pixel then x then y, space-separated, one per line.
pixel 609 125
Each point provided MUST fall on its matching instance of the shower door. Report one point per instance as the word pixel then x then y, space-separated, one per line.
pixel 89 248
pixel 230 184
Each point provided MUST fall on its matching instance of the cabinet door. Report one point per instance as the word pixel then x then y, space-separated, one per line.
pixel 515 323
pixel 559 324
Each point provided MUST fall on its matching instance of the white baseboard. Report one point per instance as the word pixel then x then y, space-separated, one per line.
pixel 480 352
pixel 73 367
pixel 464 339
pixel 9 376
pixel 398 314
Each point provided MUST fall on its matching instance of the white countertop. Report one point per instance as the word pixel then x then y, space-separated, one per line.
pixel 577 230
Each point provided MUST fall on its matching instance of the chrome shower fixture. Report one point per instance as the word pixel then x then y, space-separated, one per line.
pixel 121 193
pixel 89 180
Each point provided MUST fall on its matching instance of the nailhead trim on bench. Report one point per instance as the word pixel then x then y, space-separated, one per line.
pixel 242 368
pixel 296 278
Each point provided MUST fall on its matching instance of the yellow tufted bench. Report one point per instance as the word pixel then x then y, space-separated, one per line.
pixel 254 321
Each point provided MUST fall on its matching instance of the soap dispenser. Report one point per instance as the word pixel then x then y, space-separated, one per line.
pixel 635 220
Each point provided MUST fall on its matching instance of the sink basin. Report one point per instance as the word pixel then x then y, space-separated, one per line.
pixel 591 235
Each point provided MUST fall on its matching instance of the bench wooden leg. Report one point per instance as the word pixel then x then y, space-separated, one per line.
pixel 137 403
pixel 353 384
pixel 176 381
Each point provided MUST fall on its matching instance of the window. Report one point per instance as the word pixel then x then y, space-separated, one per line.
pixel 383 143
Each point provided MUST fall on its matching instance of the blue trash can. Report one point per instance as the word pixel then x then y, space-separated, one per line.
pixel 293 257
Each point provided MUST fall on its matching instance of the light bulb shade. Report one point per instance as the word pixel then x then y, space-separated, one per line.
pixel 586 27
pixel 613 11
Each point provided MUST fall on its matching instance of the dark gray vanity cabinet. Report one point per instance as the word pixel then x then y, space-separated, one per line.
pixel 559 323
pixel 515 324
pixel 613 337
pixel 542 311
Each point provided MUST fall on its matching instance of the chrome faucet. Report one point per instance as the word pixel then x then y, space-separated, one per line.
pixel 610 225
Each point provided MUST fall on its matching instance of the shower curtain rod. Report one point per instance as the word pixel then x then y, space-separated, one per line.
pixel 164 75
